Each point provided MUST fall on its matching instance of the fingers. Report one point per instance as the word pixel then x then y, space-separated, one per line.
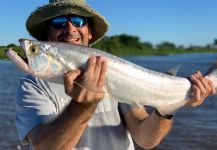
pixel 91 66
pixel 91 81
pixel 213 90
pixel 201 88
pixel 196 97
pixel 96 70
pixel 102 76
pixel 202 84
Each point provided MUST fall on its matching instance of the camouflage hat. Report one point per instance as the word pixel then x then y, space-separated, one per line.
pixel 36 24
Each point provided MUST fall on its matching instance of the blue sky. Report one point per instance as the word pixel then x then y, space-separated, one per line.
pixel 186 22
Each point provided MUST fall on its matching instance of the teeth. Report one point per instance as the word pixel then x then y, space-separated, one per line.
pixel 71 40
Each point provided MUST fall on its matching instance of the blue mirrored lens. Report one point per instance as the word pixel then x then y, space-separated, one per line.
pixel 78 21
pixel 59 22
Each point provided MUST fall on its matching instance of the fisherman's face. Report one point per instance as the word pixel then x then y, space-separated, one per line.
pixel 70 29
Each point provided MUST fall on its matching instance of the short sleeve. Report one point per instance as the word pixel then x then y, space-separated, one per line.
pixel 33 107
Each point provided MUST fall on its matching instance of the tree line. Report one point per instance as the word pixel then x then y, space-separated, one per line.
pixel 131 45
pixel 125 44
pixel 16 48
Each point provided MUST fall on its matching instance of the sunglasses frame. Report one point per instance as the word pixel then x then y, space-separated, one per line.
pixel 63 25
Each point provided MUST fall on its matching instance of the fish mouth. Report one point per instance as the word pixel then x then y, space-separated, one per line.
pixel 24 45
pixel 20 61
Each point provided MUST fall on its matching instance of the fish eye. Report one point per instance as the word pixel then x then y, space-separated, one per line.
pixel 32 49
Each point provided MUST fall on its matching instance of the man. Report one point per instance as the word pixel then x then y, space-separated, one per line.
pixel 54 116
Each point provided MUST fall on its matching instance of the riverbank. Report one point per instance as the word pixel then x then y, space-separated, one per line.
pixel 128 51
pixel 128 45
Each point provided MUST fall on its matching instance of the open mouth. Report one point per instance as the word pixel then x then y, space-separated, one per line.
pixel 70 40
pixel 20 62
pixel 23 56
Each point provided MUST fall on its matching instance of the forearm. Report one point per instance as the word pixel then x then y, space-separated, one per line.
pixel 66 130
pixel 149 131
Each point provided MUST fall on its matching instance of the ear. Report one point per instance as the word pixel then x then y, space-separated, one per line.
pixel 89 33
pixel 90 36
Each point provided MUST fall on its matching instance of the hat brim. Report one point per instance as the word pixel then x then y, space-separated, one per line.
pixel 37 22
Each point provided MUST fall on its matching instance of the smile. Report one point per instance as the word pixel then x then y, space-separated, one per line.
pixel 71 40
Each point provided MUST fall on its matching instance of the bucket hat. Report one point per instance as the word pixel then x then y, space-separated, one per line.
pixel 36 23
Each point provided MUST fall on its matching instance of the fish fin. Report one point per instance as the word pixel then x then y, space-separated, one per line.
pixel 213 67
pixel 211 73
pixel 165 110
pixel 90 87
pixel 173 70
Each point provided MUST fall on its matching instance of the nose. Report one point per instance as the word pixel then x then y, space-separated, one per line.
pixel 70 27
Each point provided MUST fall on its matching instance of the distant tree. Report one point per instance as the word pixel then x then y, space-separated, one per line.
pixel 2 52
pixel 11 45
pixel 115 42
pixel 181 47
pixel 17 49
pixel 208 46
pixel 166 45
pixel 147 45
pixel 215 42
pixel 129 40
pixel 107 44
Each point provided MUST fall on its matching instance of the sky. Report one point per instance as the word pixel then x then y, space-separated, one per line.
pixel 182 22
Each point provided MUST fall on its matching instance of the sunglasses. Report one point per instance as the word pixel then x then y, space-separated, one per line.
pixel 61 22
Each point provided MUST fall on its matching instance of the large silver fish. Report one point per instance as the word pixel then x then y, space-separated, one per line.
pixel 125 81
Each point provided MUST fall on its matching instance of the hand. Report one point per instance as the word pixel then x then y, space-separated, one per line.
pixel 202 88
pixel 93 76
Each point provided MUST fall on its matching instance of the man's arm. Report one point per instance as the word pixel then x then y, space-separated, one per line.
pixel 148 130
pixel 65 131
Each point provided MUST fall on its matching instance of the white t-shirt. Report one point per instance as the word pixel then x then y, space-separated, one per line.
pixel 38 101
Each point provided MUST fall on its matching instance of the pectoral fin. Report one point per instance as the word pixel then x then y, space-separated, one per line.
pixel 171 108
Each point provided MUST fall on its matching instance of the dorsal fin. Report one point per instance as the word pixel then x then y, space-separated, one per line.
pixel 212 67
pixel 173 70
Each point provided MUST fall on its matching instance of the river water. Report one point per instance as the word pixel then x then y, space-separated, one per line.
pixel 193 128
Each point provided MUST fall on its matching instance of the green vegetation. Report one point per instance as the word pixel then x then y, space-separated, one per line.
pixel 131 45
pixel 2 52
pixel 16 48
